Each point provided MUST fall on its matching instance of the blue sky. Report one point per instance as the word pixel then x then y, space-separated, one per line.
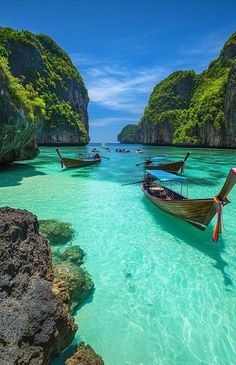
pixel 123 48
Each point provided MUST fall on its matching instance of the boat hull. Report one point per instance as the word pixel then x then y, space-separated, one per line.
pixel 197 212
pixel 72 163
pixel 173 167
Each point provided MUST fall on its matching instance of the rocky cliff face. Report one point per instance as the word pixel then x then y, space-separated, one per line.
pixel 40 65
pixel 196 110
pixel 17 127
pixel 34 323
pixel 128 134
pixel 230 108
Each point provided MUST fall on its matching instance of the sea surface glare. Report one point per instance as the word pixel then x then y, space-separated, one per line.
pixel 164 293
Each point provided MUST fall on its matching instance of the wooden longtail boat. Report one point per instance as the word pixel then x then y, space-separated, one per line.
pixel 77 162
pixel 198 212
pixel 173 167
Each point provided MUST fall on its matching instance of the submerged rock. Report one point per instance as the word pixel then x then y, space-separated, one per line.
pixel 74 254
pixel 85 355
pixel 34 323
pixel 57 232
pixel 74 279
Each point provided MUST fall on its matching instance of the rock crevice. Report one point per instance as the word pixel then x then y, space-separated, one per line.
pixel 35 325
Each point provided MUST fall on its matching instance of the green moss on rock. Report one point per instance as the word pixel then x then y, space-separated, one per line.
pixel 56 231
pixel 73 254
pixel 76 279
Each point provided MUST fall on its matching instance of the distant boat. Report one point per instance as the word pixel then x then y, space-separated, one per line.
pixel 122 150
pixel 139 151
pixel 172 167
pixel 103 145
pixel 197 212
pixel 78 162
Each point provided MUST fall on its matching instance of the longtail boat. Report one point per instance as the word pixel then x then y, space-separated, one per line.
pixel 172 167
pixel 78 162
pixel 197 212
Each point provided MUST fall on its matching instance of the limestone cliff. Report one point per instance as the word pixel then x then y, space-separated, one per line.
pixel 20 113
pixel 196 110
pixel 128 134
pixel 39 64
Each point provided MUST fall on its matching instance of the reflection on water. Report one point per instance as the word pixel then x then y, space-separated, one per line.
pixel 183 234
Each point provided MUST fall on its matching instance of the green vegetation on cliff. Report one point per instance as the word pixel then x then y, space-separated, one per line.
pixel 43 68
pixel 128 134
pixel 206 107
pixel 24 97
pixel 187 108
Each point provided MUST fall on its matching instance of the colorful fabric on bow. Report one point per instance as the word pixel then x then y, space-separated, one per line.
pixel 218 226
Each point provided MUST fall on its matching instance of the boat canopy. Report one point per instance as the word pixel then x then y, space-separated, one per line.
pixel 165 176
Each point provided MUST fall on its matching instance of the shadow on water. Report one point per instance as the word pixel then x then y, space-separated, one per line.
pixel 68 352
pixel 184 232
pixel 88 300
pixel 12 175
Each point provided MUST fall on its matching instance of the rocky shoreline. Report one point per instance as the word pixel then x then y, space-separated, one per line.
pixel 37 297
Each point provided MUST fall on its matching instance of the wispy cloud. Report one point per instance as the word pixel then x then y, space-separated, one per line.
pixel 102 122
pixel 121 89
pixel 197 53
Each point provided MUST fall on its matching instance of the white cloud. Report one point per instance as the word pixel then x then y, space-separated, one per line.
pixel 126 90
pixel 198 53
pixel 122 89
pixel 102 122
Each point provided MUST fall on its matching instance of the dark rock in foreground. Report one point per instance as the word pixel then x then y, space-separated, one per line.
pixel 85 355
pixel 34 323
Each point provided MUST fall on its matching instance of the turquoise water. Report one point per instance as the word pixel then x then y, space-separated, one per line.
pixel 164 294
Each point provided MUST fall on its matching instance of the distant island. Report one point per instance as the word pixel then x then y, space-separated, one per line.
pixel 192 109
pixel 43 97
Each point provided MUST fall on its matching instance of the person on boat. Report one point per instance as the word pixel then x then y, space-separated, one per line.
pixel 147 181
pixel 96 156
pixel 148 162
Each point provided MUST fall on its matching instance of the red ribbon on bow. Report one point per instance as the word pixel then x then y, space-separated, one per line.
pixel 218 226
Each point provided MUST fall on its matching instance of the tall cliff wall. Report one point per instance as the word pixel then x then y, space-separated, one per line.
pixel 38 64
pixel 196 110
pixel 20 113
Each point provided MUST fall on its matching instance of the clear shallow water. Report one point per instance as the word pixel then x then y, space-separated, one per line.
pixel 164 294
